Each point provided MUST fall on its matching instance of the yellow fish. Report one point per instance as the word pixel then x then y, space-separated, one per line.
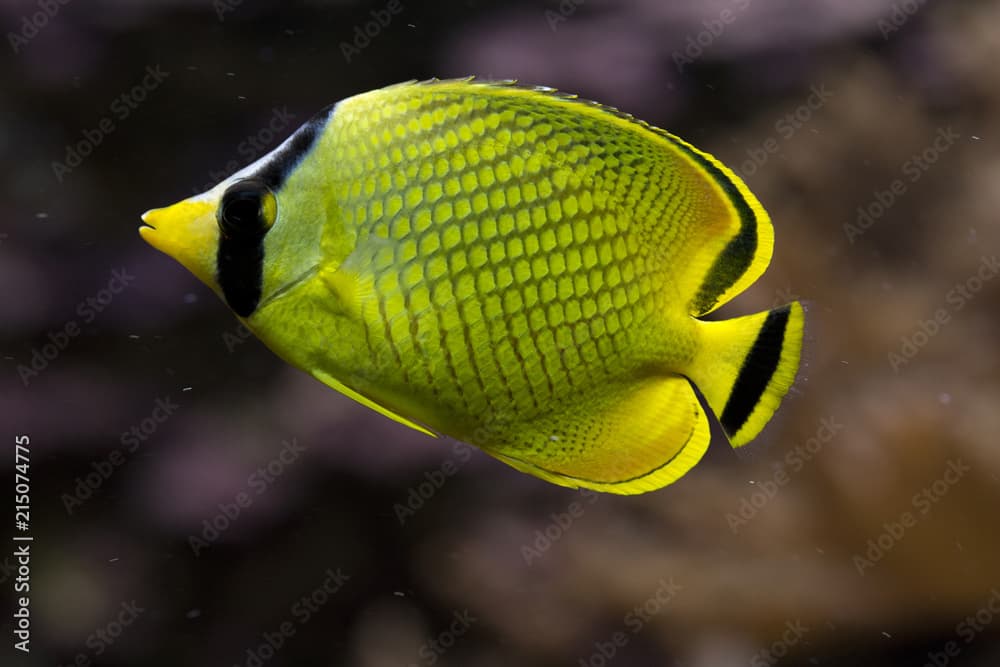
pixel 510 266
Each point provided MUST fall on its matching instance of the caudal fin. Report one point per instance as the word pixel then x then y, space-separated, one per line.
pixel 746 365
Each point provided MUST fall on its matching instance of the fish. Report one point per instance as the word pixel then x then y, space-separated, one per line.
pixel 508 265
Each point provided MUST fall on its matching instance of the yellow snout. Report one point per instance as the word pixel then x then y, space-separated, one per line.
pixel 187 231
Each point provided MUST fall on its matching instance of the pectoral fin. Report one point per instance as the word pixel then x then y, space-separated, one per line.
pixel 334 383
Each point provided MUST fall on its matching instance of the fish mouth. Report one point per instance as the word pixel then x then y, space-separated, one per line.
pixel 289 286
pixel 146 225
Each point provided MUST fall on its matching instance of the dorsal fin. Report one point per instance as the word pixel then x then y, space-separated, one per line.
pixel 733 260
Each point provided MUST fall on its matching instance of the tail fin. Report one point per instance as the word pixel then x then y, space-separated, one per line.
pixel 746 365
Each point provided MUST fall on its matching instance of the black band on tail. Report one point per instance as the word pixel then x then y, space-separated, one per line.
pixel 756 371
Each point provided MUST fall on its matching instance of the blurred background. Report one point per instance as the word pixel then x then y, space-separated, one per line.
pixel 197 502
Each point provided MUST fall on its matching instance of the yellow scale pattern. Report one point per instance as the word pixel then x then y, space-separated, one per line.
pixel 516 253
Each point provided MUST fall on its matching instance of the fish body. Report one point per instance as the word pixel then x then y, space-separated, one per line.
pixel 509 266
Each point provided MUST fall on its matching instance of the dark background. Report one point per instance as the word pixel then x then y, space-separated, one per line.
pixel 821 106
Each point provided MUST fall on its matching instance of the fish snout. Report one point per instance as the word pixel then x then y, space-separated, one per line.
pixel 186 231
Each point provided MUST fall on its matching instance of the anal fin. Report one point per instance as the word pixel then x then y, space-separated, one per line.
pixel 621 439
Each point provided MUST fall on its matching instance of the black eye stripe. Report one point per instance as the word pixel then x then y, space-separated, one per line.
pixel 246 205
pixel 240 213
pixel 240 259
pixel 240 273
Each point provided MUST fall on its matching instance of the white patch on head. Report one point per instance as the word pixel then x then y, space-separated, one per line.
pixel 215 193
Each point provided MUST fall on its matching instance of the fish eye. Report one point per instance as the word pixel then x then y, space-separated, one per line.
pixel 248 209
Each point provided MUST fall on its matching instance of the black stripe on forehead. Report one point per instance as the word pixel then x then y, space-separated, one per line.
pixel 283 161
